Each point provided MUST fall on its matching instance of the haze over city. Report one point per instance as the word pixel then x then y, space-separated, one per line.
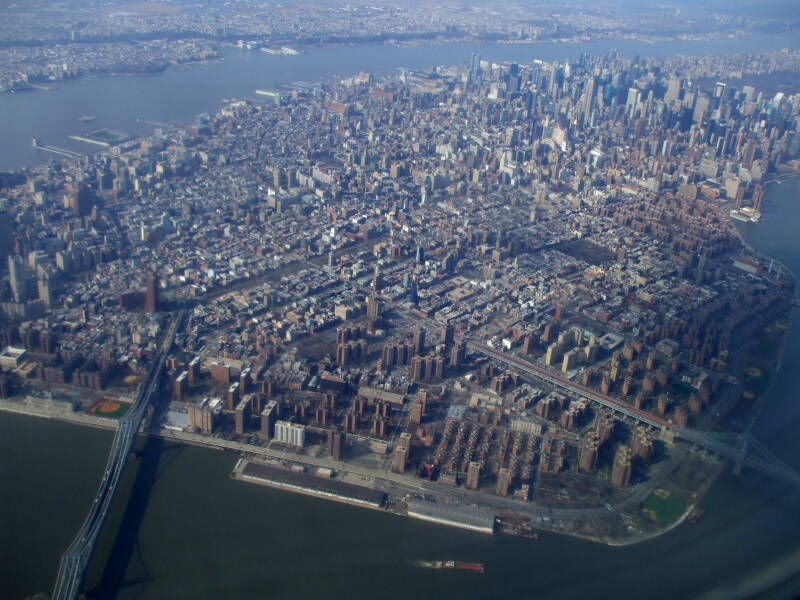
pixel 521 274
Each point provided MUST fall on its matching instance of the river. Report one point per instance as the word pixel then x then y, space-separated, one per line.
pixel 189 531
pixel 121 102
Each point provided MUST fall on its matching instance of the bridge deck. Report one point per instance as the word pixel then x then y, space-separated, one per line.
pixel 76 558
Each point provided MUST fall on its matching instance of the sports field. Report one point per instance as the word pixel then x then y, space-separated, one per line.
pixel 105 407
pixel 663 506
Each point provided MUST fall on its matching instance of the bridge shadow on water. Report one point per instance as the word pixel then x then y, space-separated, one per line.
pixel 128 540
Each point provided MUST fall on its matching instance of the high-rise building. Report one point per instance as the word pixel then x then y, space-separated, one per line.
pixel 401 452
pixel 438 368
pixel 527 344
pixel 416 413
pixel 292 434
pixel 232 398
pixel 422 398
pixel 342 354
pixel 621 471
pixel 181 385
pixel 604 427
pixel 673 90
pixel 277 177
pixel 6 233
pixel 473 475
pixel 700 109
pixel 389 356
pixel 269 417
pixel 256 404
pixel 503 481
pixel 417 368
pixel 322 416
pixel 568 362
pixel 335 444
pixel 448 335
pixel 551 354
pixel 151 297
pixel 379 426
pixel 241 415
pixel 457 355
pixel 399 459
pixel 589 449
pixel 19 283
pixel 351 421
pixel 221 373
pixel 632 100
pixel 244 380
pixel 194 371
pixel 419 341
pixel 627 385
pixel 758 196
pixel 45 291
pixel 82 202
pixel 201 416
pixel 374 308
pixel 642 446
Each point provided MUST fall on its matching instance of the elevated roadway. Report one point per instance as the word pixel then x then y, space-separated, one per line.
pixel 732 447
pixel 76 558
pixel 573 388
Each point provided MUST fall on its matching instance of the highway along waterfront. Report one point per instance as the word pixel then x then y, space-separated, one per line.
pixel 181 527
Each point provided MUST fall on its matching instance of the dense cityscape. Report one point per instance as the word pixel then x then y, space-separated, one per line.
pixel 504 297
pixel 43 42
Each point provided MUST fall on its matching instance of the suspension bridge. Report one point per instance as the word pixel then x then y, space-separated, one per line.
pixel 76 558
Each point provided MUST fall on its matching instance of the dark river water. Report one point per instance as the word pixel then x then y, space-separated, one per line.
pixel 186 530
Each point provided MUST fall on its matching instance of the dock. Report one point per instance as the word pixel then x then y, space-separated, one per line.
pixel 80 138
pixel 102 137
pixel 473 518
pixel 155 123
pixel 37 144
pixel 300 482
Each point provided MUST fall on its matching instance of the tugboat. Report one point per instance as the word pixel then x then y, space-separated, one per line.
pixel 451 564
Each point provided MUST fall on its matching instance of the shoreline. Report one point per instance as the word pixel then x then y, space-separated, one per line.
pixel 387 39
pixel 51 85
pixel 247 452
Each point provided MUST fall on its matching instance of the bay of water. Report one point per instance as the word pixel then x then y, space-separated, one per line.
pixel 177 96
